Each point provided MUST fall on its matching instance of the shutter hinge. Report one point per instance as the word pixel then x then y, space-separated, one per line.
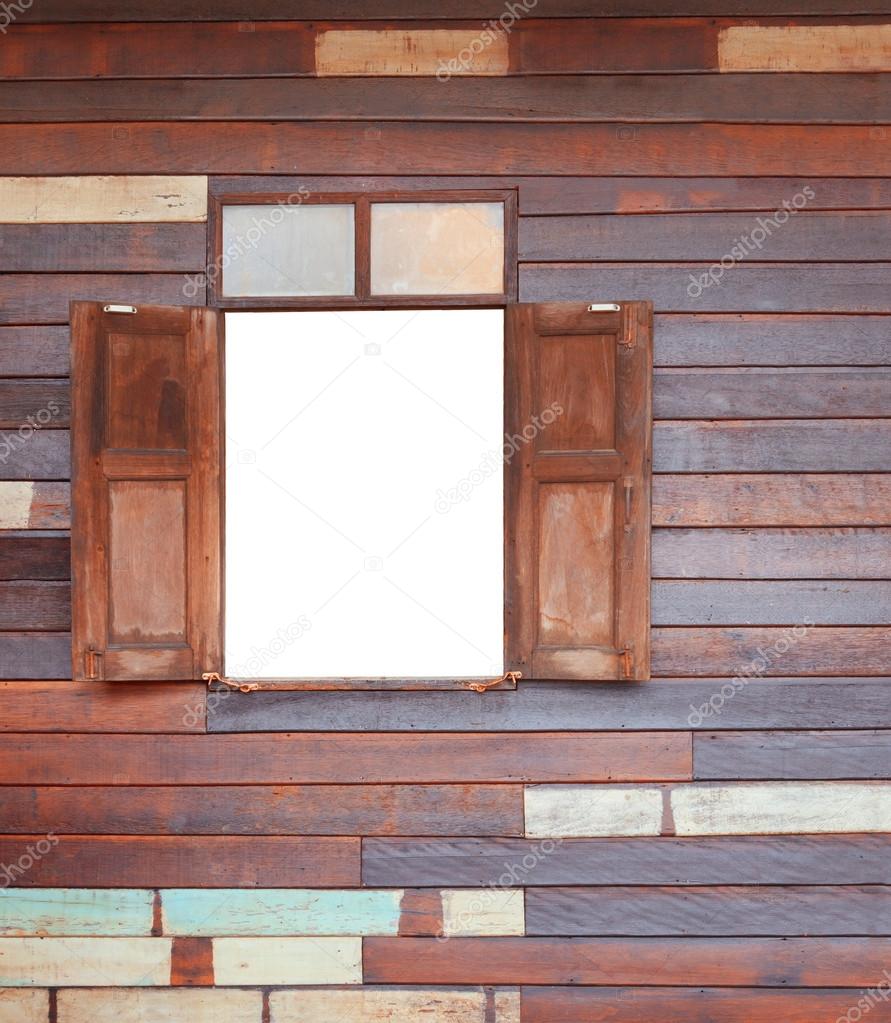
pixel 91 663
pixel 627 663
pixel 628 483
pixel 119 309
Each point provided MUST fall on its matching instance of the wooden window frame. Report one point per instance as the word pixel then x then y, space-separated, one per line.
pixel 362 299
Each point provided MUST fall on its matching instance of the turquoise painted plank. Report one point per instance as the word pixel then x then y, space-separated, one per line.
pixel 90 912
pixel 279 912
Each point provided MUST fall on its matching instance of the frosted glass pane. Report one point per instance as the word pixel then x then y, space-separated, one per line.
pixel 288 250
pixel 364 504
pixel 432 248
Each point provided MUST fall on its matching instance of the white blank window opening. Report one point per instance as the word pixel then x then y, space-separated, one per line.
pixel 364 494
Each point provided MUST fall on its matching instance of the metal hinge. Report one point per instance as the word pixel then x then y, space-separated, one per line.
pixel 91 663
pixel 119 309
pixel 627 663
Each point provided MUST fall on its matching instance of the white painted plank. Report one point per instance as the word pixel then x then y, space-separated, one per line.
pixel 779 808
pixel 20 1006
pixel 91 199
pixel 554 811
pixel 483 912
pixel 438 51
pixel 287 960
pixel 391 1005
pixel 805 48
pixel 84 962
pixel 15 504
pixel 174 1005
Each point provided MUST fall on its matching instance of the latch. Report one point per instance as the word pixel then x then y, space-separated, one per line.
pixel 91 663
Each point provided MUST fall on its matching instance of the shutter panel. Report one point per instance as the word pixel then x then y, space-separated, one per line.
pixel 146 492
pixel 578 490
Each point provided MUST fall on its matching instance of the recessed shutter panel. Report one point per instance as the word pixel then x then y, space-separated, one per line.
pixel 578 415
pixel 146 495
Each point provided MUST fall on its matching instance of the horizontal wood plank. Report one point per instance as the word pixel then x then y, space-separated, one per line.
pixel 131 1005
pixel 409 51
pixel 24 1005
pixel 33 404
pixel 384 1004
pixel 238 961
pixel 85 962
pixel 35 606
pixel 34 352
pixel 805 48
pixel 35 655
pixel 29 454
pixel 35 555
pixel 558 811
pixel 68 912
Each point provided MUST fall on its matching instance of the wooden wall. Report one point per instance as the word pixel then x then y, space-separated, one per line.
pixel 712 845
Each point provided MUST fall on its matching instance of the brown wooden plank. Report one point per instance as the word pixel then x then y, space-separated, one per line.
pixel 805 499
pixel 38 655
pixel 36 506
pixel 58 248
pixel 34 556
pixel 771 553
pixel 37 606
pixel 348 759
pixel 329 147
pixel 804 48
pixel 267 810
pixel 744 288
pixel 41 402
pixel 728 98
pixel 44 298
pixel 790 232
pixel 792 755
pixel 187 861
pixel 27 454
pixel 780 445
pixel 191 962
pixel 149 707
pixel 800 910
pixel 757 962
pixel 33 351
pixel 842 650
pixel 683 1005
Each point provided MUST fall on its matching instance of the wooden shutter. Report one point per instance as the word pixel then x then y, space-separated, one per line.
pixel 578 490
pixel 146 491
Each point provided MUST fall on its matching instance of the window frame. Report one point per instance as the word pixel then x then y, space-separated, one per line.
pixel 363 298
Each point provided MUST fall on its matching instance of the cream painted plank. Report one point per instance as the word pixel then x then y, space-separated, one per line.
pixel 15 504
pixel 565 811
pixel 436 51
pixel 387 1005
pixel 101 912
pixel 18 1006
pixel 287 960
pixel 805 48
pixel 176 1005
pixel 84 962
pixel 89 199
pixel 775 808
pixel 483 912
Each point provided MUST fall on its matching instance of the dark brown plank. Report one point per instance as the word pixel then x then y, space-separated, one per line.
pixel 683 1005
pixel 757 393
pixel 754 860
pixel 782 602
pixel 37 606
pixel 801 650
pixel 757 962
pixel 58 248
pixel 779 445
pixel 727 98
pixel 148 707
pixel 45 403
pixel 721 911
pixel 818 499
pixel 785 234
pixel 792 755
pixel 771 553
pixel 44 298
pixel 337 148
pixel 34 351
pixel 764 340
pixel 266 810
pixel 27 454
pixel 348 759
pixel 34 556
pixel 38 655
pixel 191 962
pixel 745 288
pixel 175 861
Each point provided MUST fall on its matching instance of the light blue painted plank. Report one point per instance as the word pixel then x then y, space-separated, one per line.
pixel 279 912
pixel 90 912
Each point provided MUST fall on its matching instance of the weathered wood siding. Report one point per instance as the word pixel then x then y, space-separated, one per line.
pixel 712 845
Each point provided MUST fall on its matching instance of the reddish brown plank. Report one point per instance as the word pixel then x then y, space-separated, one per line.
pixel 267 810
pixel 173 861
pixel 764 962
pixel 191 962
pixel 37 555
pixel 357 758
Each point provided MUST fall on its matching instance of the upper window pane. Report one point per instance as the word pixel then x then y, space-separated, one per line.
pixel 288 250
pixel 437 248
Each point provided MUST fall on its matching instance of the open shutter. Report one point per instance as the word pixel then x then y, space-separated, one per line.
pixel 146 491
pixel 578 417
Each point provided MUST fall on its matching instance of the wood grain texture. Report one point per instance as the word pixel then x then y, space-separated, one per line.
pixel 791 910
pixel 132 1005
pixel 191 962
pixel 35 655
pixel 29 454
pixel 85 962
pixel 36 506
pixel 560 811
pixel 754 860
pixel 266 810
pixel 65 912
pixel 805 48
pixel 792 755
pixel 34 555
pixel 171 861
pixel 495 912
pixel 28 404
pixel 382 1005
pixel 34 351
pixel 427 757
pixel 19 1005
pixel 413 51
pixel 241 961
pixel 35 606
